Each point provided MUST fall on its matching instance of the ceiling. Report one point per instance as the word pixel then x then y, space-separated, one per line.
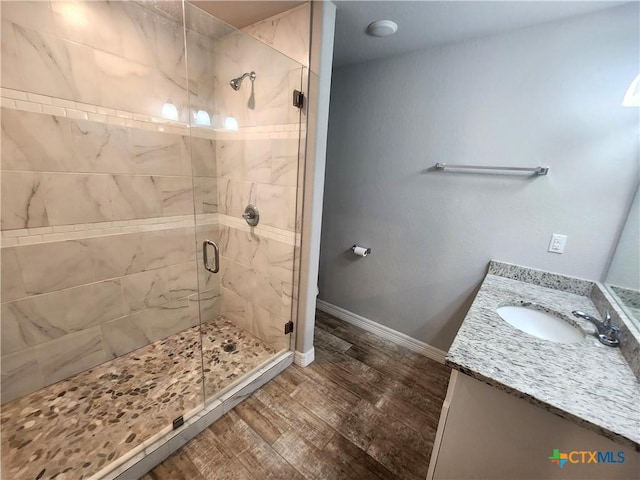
pixel 424 24
pixel 240 13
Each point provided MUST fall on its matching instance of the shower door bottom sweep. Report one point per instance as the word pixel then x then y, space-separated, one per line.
pixel 80 426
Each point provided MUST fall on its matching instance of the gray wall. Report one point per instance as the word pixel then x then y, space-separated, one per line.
pixel 546 95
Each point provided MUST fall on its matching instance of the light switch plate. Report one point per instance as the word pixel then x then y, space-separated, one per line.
pixel 557 243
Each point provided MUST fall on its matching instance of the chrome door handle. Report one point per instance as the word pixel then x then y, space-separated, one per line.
pixel 216 256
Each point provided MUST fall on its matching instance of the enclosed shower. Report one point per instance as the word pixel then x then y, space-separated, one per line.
pixel 137 290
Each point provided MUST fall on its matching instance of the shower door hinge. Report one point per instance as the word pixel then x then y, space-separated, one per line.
pixel 298 99
pixel 288 327
pixel 178 422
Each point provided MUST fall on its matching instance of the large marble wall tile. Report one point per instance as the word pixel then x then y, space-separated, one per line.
pixel 201 65
pixel 277 205
pixel 48 267
pixel 170 9
pixel 234 307
pixel 240 246
pixel 176 194
pixel 133 58
pixel 10 72
pixel 41 318
pixel 156 153
pixel 20 375
pixel 33 15
pixel 241 52
pixel 268 294
pixel 288 33
pixel 239 279
pixel 126 254
pixel 268 327
pixel 234 196
pixel 101 148
pixel 22 201
pixel 248 160
pixel 208 303
pixel 123 335
pixel 133 86
pixel 55 67
pixel 12 284
pixel 268 256
pixel 163 248
pixel 256 162
pixel 71 354
pixel 204 24
pixel 157 287
pixel 92 23
pixel 117 255
pixel 31 321
pixel 206 194
pixel 167 319
pixel 253 286
pixel 93 304
pixel 32 141
pixel 284 162
pixel 135 197
pixel 153 39
pixel 77 198
pixel 279 261
pixel 272 101
pixel 230 157
pixel 145 196
pixel 203 157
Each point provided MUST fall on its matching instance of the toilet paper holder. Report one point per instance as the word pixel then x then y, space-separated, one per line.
pixel 360 251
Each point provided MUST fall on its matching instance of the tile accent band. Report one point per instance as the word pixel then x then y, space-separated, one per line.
pixel 30 236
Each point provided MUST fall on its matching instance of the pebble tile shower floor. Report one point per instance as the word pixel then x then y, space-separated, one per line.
pixel 76 427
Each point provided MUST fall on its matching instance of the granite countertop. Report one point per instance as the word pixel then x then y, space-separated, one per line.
pixel 587 382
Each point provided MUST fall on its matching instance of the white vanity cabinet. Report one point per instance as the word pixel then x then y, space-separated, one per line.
pixel 486 433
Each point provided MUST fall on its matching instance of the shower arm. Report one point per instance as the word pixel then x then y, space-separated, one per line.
pixel 251 75
pixel 237 82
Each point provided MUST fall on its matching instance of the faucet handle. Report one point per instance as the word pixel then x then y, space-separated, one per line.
pixel 612 334
pixel 607 321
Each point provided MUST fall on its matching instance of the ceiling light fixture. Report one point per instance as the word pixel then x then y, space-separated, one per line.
pixel 382 28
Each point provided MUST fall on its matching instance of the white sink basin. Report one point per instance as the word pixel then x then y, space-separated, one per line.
pixel 540 324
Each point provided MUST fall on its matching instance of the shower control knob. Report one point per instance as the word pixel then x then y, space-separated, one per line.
pixel 251 215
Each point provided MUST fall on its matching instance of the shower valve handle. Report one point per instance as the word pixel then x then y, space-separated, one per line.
pixel 251 215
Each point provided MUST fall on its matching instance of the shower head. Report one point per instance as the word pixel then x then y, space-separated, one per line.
pixel 236 82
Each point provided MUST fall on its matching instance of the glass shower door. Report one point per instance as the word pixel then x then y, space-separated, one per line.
pixel 100 318
pixel 245 139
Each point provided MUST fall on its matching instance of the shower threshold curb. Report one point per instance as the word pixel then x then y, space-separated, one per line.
pixel 155 450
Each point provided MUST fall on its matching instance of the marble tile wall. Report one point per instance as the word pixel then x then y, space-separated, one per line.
pixel 82 85
pixel 98 190
pixel 121 55
pixel 256 277
pixel 68 306
pixel 256 283
pixel 229 53
pixel 288 32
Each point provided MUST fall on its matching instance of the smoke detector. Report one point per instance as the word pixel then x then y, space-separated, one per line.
pixel 382 28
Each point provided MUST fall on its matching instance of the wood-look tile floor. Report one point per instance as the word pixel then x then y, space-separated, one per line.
pixel 365 409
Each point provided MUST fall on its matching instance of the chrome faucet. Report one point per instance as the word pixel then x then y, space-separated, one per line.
pixel 607 333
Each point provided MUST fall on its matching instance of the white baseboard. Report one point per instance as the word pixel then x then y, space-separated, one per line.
pixel 385 332
pixel 302 359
